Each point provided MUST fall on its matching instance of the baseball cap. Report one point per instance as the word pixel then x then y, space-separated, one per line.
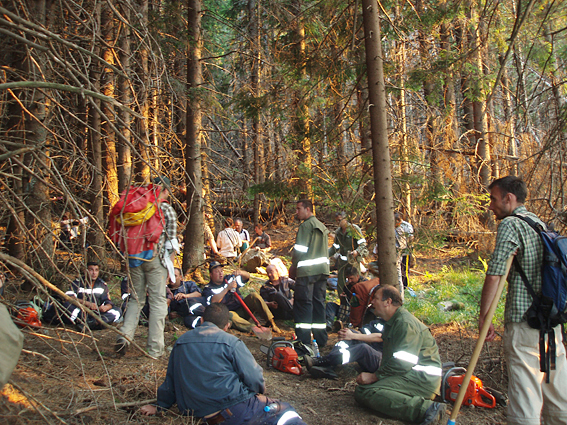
pixel 162 180
pixel 214 265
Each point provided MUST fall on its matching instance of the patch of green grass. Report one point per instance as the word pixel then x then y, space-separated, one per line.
pixel 463 286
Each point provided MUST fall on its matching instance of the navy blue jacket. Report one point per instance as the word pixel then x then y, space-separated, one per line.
pixel 209 370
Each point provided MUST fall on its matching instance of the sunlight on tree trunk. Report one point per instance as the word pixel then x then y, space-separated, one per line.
pixel 193 247
pixel 381 154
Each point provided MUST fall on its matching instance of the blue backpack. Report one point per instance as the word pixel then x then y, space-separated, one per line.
pixel 548 309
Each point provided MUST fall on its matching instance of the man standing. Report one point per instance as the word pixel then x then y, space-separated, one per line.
pixel 221 289
pixel 531 399
pixel 150 277
pixel 410 371
pixel 310 268
pixel 277 293
pixel 351 246
pixel 404 236
pixel 212 375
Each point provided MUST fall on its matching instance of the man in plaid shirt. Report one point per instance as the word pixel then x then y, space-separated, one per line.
pixel 531 399
pixel 151 277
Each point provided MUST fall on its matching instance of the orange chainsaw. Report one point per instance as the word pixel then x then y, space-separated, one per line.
pixel 282 356
pixel 477 394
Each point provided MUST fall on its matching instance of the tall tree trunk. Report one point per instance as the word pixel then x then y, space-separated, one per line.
pixel 124 164
pixel 142 164
pixel 257 142
pixel 95 235
pixel 510 122
pixel 193 248
pixel 380 149
pixel 108 88
pixel 39 219
pixel 300 114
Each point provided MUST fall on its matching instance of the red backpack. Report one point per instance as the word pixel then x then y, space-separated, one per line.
pixel 136 220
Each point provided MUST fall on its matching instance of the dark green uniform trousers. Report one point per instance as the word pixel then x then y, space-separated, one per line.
pixel 397 397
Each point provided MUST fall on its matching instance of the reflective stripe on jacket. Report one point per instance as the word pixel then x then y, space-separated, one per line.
pixel 310 253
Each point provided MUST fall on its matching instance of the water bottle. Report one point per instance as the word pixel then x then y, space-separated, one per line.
pixel 316 349
pixel 272 408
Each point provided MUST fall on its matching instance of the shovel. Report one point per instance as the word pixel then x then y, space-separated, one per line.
pixel 481 337
pixel 260 331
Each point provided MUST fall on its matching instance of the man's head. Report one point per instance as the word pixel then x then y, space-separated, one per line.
pixel 216 272
pixel 506 194
pixel 178 278
pixel 304 209
pixel 165 184
pixel 93 270
pixel 339 215
pixel 397 219
pixel 238 225
pixel 258 229
pixel 218 314
pixel 386 301
pixel 273 274
pixel 352 275
pixel 228 222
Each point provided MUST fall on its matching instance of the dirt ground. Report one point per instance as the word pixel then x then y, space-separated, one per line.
pixel 67 377
pixel 62 378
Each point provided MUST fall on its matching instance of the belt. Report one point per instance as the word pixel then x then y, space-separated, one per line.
pixel 218 418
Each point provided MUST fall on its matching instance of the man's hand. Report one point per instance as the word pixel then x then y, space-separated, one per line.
pixel 354 254
pixel 148 410
pixel 232 285
pixel 273 305
pixel 366 378
pixel 491 332
pixel 180 296
pixel 346 334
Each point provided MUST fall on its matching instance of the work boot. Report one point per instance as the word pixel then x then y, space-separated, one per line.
pixel 121 346
pixel 435 414
pixel 337 326
pixel 323 372
pixel 315 362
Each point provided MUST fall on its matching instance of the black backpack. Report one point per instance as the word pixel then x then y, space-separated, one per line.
pixel 548 309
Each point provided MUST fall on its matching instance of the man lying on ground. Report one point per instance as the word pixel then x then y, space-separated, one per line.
pixel 229 385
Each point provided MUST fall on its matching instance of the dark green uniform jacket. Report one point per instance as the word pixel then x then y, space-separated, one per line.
pixel 310 250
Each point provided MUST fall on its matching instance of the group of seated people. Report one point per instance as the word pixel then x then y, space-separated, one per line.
pixel 396 353
pixel 234 239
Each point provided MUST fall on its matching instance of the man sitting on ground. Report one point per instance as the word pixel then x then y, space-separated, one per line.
pixel 277 294
pixel 410 371
pixel 364 347
pixel 187 302
pixel 229 385
pixel 243 233
pixel 92 292
pixel 222 288
pixel 353 299
pixel 262 239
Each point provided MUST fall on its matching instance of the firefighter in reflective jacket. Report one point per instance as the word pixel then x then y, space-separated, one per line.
pixel 310 268
pixel 351 246
pixel 410 372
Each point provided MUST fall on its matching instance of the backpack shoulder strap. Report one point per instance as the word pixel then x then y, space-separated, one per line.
pixel 533 224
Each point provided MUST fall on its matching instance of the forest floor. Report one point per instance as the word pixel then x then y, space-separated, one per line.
pixel 67 377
